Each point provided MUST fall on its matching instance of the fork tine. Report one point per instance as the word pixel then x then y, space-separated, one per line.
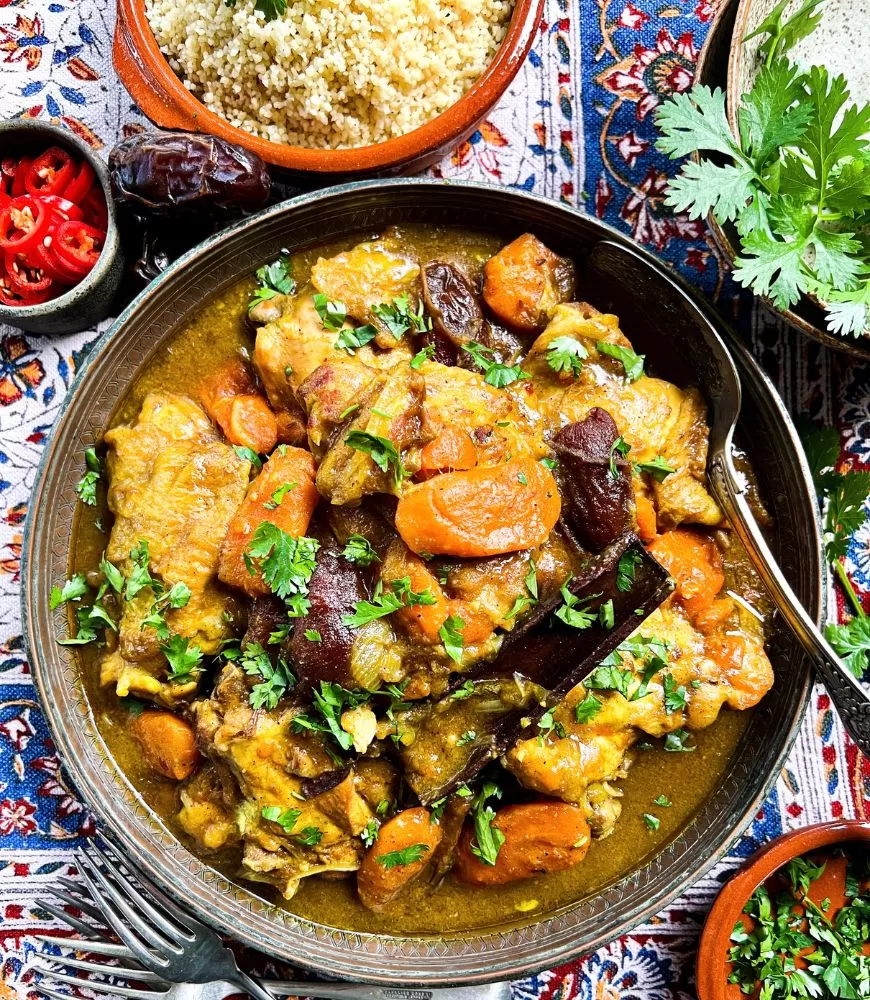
pixel 67 918
pixel 100 987
pixel 101 947
pixel 90 873
pixel 100 968
pixel 79 903
pixel 52 994
pixel 139 899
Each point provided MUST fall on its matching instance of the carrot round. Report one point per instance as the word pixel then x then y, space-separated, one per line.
pixel 480 512
pixel 283 494
pixel 404 847
pixel 646 517
pixel 519 283
pixel 539 837
pixel 452 450
pixel 231 399
pixel 168 744
pixel 693 560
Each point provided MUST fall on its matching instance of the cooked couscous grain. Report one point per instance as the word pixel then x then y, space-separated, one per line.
pixel 329 73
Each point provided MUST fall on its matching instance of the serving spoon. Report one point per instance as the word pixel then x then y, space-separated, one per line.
pixel 647 298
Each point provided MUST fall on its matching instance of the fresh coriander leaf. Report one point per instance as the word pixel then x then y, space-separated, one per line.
pixel 86 488
pixel 652 822
pixel 632 363
pixel 285 562
pixel 547 724
pixel 286 818
pixel 586 710
pixel 348 411
pixel 382 452
pixel 606 615
pixel 521 478
pixel 399 318
pixel 184 659
pixel 279 495
pixel 695 121
pixel 572 612
pixel 370 833
pixel 465 690
pixel 847 494
pixel 782 34
pixel 625 570
pixel 565 354
pixel 113 576
pixel 359 550
pixel 702 187
pixel 663 801
pixel 275 278
pixel 620 447
pixel 521 603
pixel 310 836
pixel 675 742
pixel 140 576
pixel 422 356
pixel 531 579
pixel 351 339
pixel 450 634
pixel 332 314
pixel 657 467
pixel 469 736
pixel 312 635
pixel 772 268
pixel 495 374
pixel 774 113
pixel 488 839
pixel 549 463
pixel 248 455
pixel 72 590
pixel 652 665
pixel 276 681
pixel 409 855
pixel 675 696
pixel 852 643
pixel 610 678
pixel 383 603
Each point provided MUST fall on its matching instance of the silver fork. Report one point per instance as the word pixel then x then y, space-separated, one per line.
pixel 184 959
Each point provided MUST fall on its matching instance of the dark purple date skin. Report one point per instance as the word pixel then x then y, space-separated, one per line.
pixel 164 173
pixel 597 499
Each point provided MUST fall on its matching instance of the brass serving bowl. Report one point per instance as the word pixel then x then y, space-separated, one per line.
pixel 113 364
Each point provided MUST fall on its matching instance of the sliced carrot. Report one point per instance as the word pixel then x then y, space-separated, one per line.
pixel 539 837
pixel 519 283
pixel 480 512
pixel 231 399
pixel 452 450
pixel 745 666
pixel 646 517
pixel 694 561
pixel 422 621
pixel 168 744
pixel 268 499
pixel 385 869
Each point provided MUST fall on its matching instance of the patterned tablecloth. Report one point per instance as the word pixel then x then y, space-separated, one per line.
pixel 577 125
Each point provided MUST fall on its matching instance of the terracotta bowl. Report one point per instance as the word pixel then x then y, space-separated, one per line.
pixel 713 71
pixel 159 92
pixel 713 967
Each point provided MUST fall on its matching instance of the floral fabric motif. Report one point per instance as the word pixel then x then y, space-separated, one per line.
pixel 576 125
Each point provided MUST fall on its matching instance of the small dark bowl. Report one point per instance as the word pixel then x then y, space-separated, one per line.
pixel 86 303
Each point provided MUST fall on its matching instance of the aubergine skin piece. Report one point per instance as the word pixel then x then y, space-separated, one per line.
pixel 597 498
pixel 551 656
pixel 334 589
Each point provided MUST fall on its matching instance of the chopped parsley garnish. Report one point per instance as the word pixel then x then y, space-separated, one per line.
pixel 285 562
pixel 332 314
pixel 113 576
pixel 407 856
pixel 610 678
pixel 625 569
pixel 86 488
pixel 422 356
pixel 286 818
pixel 399 318
pixel 547 724
pixel 382 452
pixel 277 678
pixel 620 447
pixel 248 455
pixel 675 742
pixel 465 690
pixel 675 696
pixel 312 635
pixel 525 601
pixel 573 612
pixel 565 354
pixel 652 822
pixel 352 339
pixel 348 411
pixel 184 659
pixel 586 710
pixel 327 705
pixel 370 833
pixel 72 590
pixel 140 577
pixel 606 615
pixel 469 736
pixel 310 836
pixel 450 634
pixel 657 467
pixel 385 602
pixel 845 494
pixel 358 550
pixel 279 495
pixel 549 463
pixel 90 621
pixel 631 363
pixel 176 597
pixel 663 801
pixel 488 839
pixel 275 278
pixel 494 374
pixel 272 9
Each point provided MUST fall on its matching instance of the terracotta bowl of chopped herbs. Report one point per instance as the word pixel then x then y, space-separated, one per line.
pixel 794 921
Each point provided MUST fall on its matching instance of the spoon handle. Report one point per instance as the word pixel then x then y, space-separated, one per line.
pixel 847 694
pixel 351 991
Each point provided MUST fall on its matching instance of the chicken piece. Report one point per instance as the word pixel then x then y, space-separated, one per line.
pixel 208 808
pixel 361 724
pixel 331 396
pixel 143 679
pixel 174 484
pixel 366 276
pixel 393 410
pixel 314 835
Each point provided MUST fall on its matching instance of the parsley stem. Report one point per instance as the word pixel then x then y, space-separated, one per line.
pixel 846 583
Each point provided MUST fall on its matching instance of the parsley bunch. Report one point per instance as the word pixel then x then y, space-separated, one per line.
pixel 843 494
pixel 795 182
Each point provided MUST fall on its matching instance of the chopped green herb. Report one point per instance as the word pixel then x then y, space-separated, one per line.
pixel 549 463
pixel 657 467
pixel 279 495
pixel 370 833
pixel 140 576
pixel 565 354
pixel 346 413
pixel 573 612
pixel 332 314
pixel 469 736
pixel 350 339
pixel 286 818
pixel 310 836
pixel 495 374
pixel 399 318
pixel 606 615
pixel 382 452
pixel 385 602
pixel 675 742
pixel 359 550
pixel 547 724
pixel 663 801
pixel 86 488
pixel 586 710
pixel 652 822
pixel 422 356
pixel 409 855
pixel 632 363
pixel 619 447
pixel 184 659
pixel 675 697
pixel 312 635
pixel 248 455
pixel 488 839
pixel 625 569
pixel 285 562
pixel 450 634
pixel 465 690
pixel 72 590
pixel 275 278
pixel 277 678
pixel 521 477
pixel 328 702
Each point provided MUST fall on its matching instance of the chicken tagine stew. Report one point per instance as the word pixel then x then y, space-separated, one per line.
pixel 400 561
